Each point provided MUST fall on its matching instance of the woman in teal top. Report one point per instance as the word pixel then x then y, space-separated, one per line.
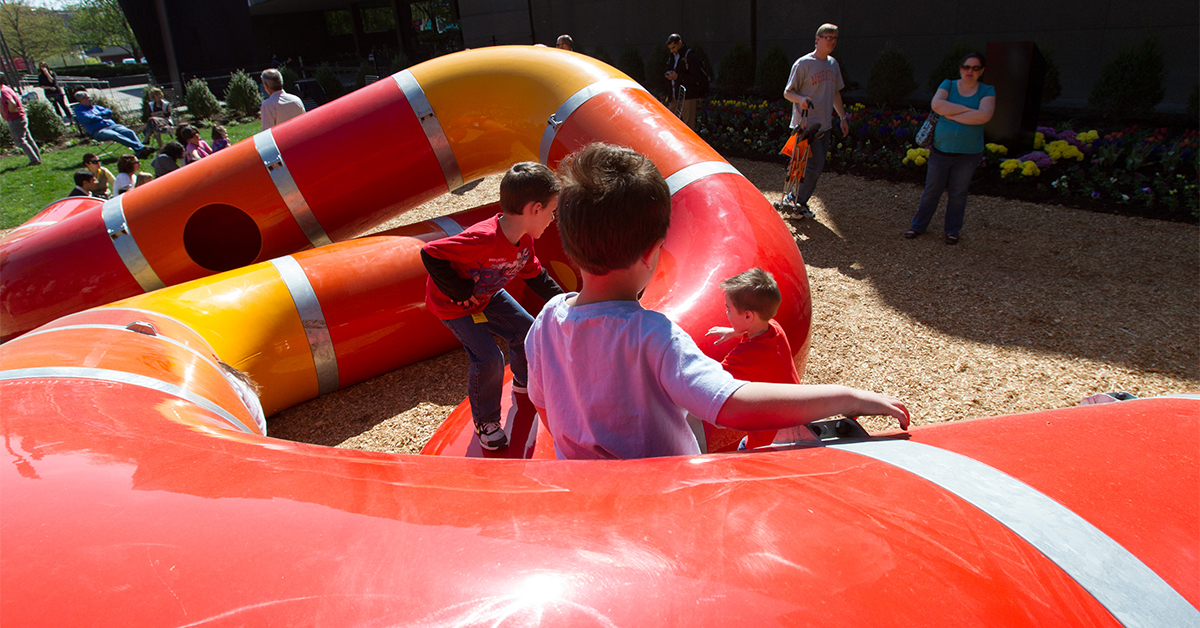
pixel 965 106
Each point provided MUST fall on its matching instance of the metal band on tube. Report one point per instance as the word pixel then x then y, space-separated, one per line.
pixel 316 329
pixel 268 151
pixel 693 173
pixel 433 129
pixel 1130 590
pixel 165 339
pixel 121 377
pixel 574 102
pixel 113 214
pixel 448 225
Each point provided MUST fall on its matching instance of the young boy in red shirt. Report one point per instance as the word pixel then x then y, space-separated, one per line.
pixel 467 275
pixel 762 354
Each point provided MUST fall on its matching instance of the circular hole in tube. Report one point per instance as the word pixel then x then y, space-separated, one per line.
pixel 221 237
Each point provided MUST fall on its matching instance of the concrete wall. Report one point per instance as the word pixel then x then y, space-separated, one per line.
pixel 1082 34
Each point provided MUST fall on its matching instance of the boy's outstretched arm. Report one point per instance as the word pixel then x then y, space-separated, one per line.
pixel 758 406
pixel 544 286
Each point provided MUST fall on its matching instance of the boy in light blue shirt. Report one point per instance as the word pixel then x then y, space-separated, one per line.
pixel 614 380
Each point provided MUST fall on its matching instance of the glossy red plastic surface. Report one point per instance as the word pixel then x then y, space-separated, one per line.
pixel 39 267
pixel 279 533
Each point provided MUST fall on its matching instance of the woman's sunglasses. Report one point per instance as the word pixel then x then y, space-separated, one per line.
pixel 972 68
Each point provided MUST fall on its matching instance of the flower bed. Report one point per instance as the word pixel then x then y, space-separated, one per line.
pixel 1140 171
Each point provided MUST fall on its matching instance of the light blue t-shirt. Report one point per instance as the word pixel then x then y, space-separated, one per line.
pixel 618 380
pixel 955 137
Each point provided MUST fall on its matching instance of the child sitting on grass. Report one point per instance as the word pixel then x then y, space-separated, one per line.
pixel 467 275
pixel 762 353
pixel 614 380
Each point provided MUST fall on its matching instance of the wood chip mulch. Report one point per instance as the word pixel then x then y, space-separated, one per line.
pixel 1037 307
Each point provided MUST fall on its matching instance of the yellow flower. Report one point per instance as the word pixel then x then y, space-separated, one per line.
pixel 1008 166
pixel 1039 140
pixel 916 156
pixel 1061 149
pixel 997 149
pixel 1087 137
pixel 1030 169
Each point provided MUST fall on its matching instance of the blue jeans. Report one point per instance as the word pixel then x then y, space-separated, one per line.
pixel 816 163
pixel 485 379
pixel 946 170
pixel 121 135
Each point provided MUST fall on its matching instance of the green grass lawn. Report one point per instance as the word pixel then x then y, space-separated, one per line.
pixel 25 191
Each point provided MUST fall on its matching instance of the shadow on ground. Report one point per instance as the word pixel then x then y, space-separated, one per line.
pixel 1051 279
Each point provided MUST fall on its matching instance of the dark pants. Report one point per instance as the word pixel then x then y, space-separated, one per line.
pixel 946 170
pixel 485 379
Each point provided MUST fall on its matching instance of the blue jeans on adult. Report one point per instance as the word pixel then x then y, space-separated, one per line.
pixel 122 135
pixel 816 163
pixel 485 379
pixel 946 170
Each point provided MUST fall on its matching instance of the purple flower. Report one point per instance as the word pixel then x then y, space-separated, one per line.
pixel 1041 159
pixel 1145 190
pixel 1095 195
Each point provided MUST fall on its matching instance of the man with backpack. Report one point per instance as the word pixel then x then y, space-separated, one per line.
pixel 684 70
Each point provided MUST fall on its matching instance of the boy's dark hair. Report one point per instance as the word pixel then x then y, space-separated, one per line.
pixel 613 207
pixel 754 291
pixel 172 149
pixel 126 162
pixel 82 176
pixel 526 182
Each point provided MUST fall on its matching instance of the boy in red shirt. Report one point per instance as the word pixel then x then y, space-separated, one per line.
pixel 763 354
pixel 467 275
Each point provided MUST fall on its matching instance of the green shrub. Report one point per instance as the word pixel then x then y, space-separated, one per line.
pixel 1052 83
pixel 891 79
pixel 44 124
pixel 1193 105
pixel 736 75
pixel 360 77
pixel 631 63
pixel 5 137
pixel 400 62
pixel 1132 84
pixel 773 71
pixel 289 79
pixel 201 103
pixel 947 68
pixel 242 95
pixel 329 82
pixel 103 70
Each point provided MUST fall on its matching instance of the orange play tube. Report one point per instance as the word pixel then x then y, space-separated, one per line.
pixel 137 490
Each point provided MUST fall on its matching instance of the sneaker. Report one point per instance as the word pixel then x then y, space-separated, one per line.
pixel 491 436
pixel 806 212
pixel 520 387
